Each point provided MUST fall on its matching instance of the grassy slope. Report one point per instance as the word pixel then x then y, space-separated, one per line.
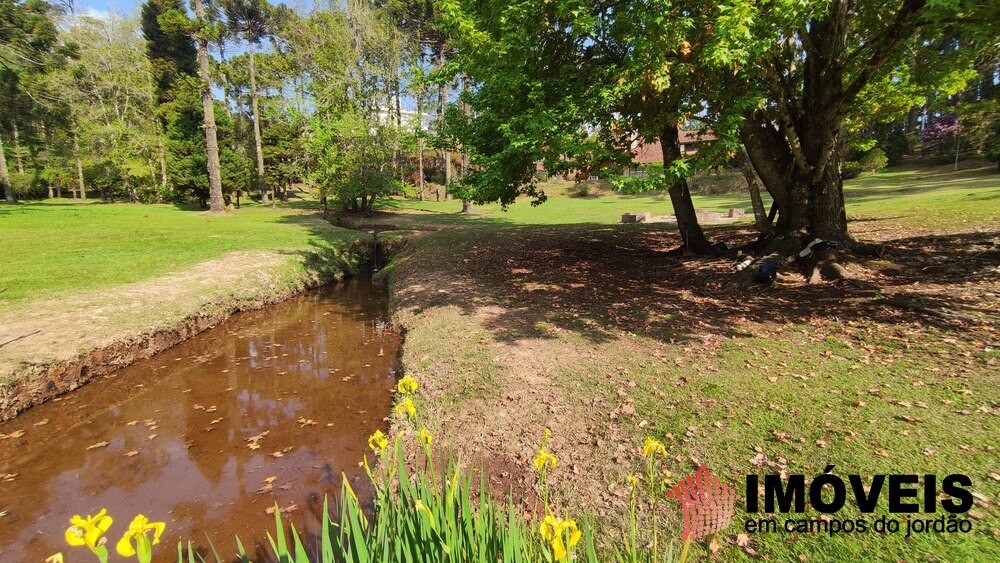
pixel 573 328
pixel 55 248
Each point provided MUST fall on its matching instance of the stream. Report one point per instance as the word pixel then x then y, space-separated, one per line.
pixel 269 407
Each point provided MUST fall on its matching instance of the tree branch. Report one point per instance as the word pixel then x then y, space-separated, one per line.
pixel 901 28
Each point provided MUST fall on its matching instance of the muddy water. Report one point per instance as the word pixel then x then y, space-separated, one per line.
pixel 269 407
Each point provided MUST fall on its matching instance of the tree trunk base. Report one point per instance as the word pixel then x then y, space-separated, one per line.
pixel 791 253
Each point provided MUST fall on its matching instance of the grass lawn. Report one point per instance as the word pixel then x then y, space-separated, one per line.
pixel 913 196
pixel 603 334
pixel 55 247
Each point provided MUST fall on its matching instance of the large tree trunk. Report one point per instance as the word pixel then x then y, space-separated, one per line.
pixel 8 190
pixel 261 181
pixel 211 138
pixel 680 196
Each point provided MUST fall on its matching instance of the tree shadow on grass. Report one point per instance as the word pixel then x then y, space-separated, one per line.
pixel 600 281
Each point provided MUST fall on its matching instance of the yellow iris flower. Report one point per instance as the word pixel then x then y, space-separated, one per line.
pixel 544 459
pixel 407 385
pixel 136 533
pixel 378 441
pixel 406 408
pixel 424 436
pixel 88 531
pixel 554 530
pixel 653 447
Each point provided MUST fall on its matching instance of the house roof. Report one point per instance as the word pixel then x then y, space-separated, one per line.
pixel 651 153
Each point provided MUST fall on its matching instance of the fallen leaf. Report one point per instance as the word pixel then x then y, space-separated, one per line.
pixel 132 423
pixel 97 445
pixel 132 453
pixel 42 422
pixel 253 446
pixel 277 454
pixel 152 436
pixel 8 476
pixel 714 547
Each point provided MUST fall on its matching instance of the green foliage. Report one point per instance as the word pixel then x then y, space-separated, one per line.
pixel 351 155
pixel 874 160
pixel 851 169
pixel 170 50
pixel 655 179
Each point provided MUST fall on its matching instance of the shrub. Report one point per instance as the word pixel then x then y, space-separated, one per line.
pixel 874 160
pixel 579 189
pixel 850 170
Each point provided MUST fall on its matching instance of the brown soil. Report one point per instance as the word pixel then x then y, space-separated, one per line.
pixel 516 310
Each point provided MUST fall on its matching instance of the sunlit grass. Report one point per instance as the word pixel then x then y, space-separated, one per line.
pixel 54 248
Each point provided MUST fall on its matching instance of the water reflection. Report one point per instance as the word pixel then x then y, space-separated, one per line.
pixel 269 407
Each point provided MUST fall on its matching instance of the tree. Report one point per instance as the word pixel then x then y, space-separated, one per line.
pixel 576 86
pixel 202 36
pixel 253 20
pixel 27 38
pixel 108 100
pixel 801 70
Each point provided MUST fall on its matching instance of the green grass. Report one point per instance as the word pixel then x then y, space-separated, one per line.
pixel 871 390
pixel 915 195
pixel 55 248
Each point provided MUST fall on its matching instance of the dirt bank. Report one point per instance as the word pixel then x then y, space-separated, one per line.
pixel 607 336
pixel 53 346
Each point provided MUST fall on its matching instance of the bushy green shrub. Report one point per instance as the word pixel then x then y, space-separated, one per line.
pixel 850 170
pixel 874 160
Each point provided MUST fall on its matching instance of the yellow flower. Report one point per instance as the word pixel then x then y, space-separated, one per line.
pixel 137 533
pixel 405 407
pixel 544 459
pixel 548 527
pixel 424 436
pixel 653 447
pixel 88 531
pixel 407 385
pixel 378 441
pixel 554 530
pixel 632 479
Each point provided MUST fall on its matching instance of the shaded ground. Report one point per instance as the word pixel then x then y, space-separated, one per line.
pixel 607 335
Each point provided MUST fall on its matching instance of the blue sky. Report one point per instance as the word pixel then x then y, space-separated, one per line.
pixel 106 7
